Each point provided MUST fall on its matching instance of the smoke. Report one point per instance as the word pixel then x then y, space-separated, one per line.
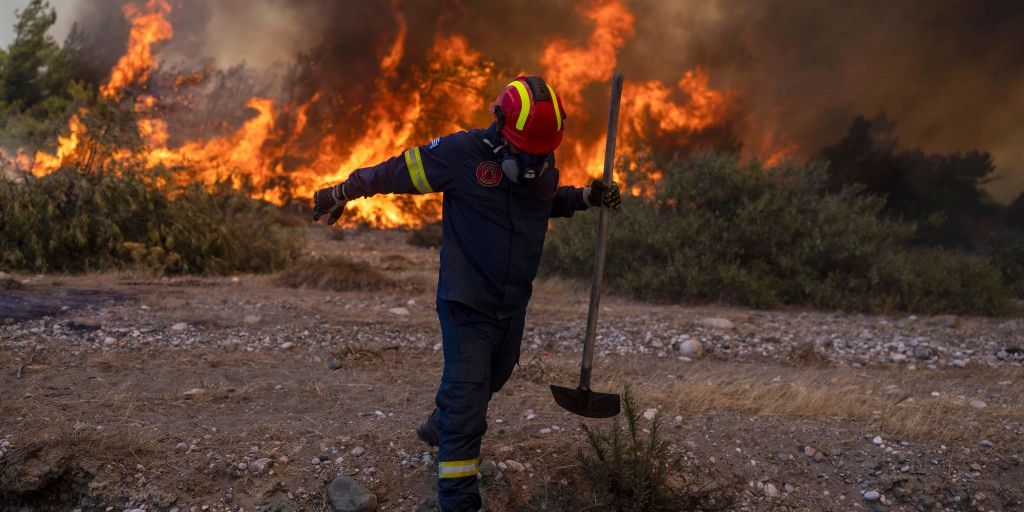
pixel 949 72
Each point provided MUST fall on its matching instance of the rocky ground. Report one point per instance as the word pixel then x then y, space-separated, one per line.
pixel 125 392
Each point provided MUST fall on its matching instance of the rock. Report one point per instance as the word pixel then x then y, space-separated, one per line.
pixel 978 404
pixel 770 490
pixel 897 357
pixel 986 443
pixel 358 451
pixel 180 326
pixel 718 323
pixel 924 352
pixel 251 319
pixel 180 448
pixel 810 451
pixel 871 496
pixel 400 311
pixel 109 341
pixel 488 468
pixel 347 495
pixel 262 465
pixel 788 488
pixel 194 392
pixel 545 431
pixel 334 365
pixel 287 345
pixel 515 465
pixel 649 414
pixel 242 466
pixel 877 440
pixel 818 457
pixel 316 461
pixel 691 348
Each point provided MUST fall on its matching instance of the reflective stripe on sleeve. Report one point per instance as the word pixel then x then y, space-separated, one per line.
pixel 524 97
pixel 416 172
pixel 458 468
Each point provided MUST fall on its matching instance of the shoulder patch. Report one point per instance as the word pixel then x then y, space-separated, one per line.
pixel 434 143
pixel 488 174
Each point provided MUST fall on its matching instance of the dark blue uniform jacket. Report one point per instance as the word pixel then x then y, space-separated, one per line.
pixel 493 229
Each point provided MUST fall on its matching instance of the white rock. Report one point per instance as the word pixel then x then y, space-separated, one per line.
pixel 872 496
pixel 691 348
pixel 978 404
pixel 109 341
pixel 358 451
pixel 194 392
pixel 531 417
pixel 770 490
pixel 262 465
pixel 400 311
pixel 650 413
pixel 545 431
pixel 718 323
pixel 180 326
pixel 877 440
pixel 251 319
pixel 287 345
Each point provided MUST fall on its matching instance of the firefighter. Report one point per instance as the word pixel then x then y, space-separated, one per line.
pixel 500 187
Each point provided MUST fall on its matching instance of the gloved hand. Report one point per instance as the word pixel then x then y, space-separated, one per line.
pixel 604 193
pixel 329 200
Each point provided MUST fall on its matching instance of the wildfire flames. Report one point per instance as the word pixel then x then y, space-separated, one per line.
pixel 262 151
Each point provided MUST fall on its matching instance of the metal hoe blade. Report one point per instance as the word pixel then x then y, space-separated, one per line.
pixel 582 400
pixel 586 403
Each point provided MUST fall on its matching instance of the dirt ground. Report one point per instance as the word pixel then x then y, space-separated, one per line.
pixel 126 391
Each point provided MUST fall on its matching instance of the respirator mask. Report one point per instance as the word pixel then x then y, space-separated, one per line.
pixel 519 167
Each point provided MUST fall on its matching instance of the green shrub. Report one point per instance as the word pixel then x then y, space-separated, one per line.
pixel 717 229
pixel 633 470
pixel 77 222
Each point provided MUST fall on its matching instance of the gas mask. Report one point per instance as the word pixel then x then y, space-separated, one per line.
pixel 523 167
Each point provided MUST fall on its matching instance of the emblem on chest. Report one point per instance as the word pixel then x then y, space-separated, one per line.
pixel 488 174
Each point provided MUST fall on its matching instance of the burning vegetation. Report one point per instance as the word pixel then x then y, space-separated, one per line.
pixel 287 148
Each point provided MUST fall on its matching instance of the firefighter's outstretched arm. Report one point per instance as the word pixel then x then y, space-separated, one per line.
pixel 419 170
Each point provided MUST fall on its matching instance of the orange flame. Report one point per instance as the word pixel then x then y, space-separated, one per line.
pixel 448 94
pixel 149 26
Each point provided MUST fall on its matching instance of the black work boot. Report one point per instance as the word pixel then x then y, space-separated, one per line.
pixel 427 431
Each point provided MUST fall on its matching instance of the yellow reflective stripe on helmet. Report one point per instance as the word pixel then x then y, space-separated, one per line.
pixel 416 172
pixel 458 468
pixel 525 97
pixel 558 112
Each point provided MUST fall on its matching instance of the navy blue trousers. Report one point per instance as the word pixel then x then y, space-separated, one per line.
pixel 479 355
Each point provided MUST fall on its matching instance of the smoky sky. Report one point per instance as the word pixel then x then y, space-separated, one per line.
pixel 950 73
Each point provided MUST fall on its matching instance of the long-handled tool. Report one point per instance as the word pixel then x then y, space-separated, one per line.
pixel 582 400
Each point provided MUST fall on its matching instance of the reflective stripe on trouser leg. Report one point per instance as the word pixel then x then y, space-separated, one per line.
pixel 458 468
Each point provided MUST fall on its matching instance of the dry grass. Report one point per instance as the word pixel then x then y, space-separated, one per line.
pixel 891 401
pixel 334 274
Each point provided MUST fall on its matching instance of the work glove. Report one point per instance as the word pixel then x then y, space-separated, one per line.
pixel 604 194
pixel 329 200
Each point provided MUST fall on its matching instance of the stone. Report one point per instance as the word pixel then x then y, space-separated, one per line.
pixel 180 448
pixel 348 495
pixel 718 323
pixel 877 440
pixel 261 465
pixel 770 490
pixel 180 326
pixel 545 431
pixel 810 451
pixel 400 311
pixel 488 468
pixel 986 443
pixel 515 465
pixel 978 404
pixel 649 414
pixel 109 341
pixel 194 392
pixel 924 352
pixel 897 357
pixel 691 348
pixel 287 345
pixel 872 496
pixel 251 319
pixel 358 451
pixel 242 466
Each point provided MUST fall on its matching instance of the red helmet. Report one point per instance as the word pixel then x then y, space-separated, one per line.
pixel 530 115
